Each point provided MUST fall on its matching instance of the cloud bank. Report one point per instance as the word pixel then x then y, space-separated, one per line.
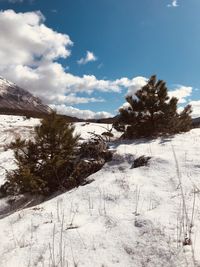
pixel 81 114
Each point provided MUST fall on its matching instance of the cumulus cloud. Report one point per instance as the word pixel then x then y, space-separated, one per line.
pixel 90 57
pixel 81 114
pixel 29 53
pixel 125 106
pixel 135 84
pixel 25 40
pixel 182 92
pixel 73 99
pixel 51 79
pixel 174 3
pixel 195 108
pixel 28 56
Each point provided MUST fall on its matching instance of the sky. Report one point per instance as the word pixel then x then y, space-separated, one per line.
pixel 83 57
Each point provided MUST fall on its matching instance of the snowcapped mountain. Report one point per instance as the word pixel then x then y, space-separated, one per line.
pixel 14 98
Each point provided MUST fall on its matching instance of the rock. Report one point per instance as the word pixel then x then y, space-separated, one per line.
pixel 141 161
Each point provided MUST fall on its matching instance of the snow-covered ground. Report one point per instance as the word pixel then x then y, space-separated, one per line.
pixel 127 217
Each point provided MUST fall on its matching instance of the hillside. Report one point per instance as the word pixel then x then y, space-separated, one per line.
pixel 18 100
pixel 126 217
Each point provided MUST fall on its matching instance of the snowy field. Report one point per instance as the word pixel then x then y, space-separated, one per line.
pixel 127 217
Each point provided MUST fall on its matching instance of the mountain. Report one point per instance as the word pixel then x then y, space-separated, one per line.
pixel 15 100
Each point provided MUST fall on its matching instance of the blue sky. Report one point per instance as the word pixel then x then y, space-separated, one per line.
pixel 124 38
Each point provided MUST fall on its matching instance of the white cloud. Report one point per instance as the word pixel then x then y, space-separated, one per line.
pixel 28 54
pixel 81 114
pixel 90 57
pixel 50 79
pixel 29 51
pixel 195 108
pixel 182 92
pixel 125 106
pixel 26 40
pixel 174 3
pixel 134 85
pixel 73 99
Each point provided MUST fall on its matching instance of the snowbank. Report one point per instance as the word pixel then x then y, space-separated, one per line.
pixel 127 217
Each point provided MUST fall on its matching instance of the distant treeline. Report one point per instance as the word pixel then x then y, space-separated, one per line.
pixel 34 114
pixel 196 123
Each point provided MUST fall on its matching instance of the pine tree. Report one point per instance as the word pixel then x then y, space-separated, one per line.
pixel 45 163
pixel 152 112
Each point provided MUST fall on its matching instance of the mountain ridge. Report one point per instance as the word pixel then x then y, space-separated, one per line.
pixel 13 97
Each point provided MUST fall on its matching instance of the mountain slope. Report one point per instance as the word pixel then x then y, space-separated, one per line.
pixel 14 98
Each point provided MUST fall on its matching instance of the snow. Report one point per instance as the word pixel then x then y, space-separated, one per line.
pixel 127 217
pixel 4 85
pixel 85 129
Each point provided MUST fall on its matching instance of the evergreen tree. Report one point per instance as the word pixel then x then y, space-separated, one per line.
pixel 152 112
pixel 45 163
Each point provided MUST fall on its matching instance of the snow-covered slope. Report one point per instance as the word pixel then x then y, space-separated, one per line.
pixel 127 217
pixel 13 97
